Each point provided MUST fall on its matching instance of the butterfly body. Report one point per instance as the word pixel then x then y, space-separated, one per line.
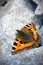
pixel 26 37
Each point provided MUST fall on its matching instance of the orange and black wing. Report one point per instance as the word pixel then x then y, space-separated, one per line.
pixel 26 37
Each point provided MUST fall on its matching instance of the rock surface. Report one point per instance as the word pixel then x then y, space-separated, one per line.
pixel 39 9
pixel 14 15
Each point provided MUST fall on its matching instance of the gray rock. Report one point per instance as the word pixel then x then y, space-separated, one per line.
pixel 14 16
pixel 39 9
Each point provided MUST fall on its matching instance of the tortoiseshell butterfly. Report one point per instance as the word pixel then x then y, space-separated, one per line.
pixel 26 37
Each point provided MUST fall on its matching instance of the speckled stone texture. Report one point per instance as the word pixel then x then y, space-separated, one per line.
pixel 14 15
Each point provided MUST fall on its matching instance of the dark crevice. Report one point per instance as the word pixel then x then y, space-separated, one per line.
pixel 30 4
pixel 3 3
pixel 40 45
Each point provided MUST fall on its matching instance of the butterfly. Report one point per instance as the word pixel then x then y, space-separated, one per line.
pixel 25 38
